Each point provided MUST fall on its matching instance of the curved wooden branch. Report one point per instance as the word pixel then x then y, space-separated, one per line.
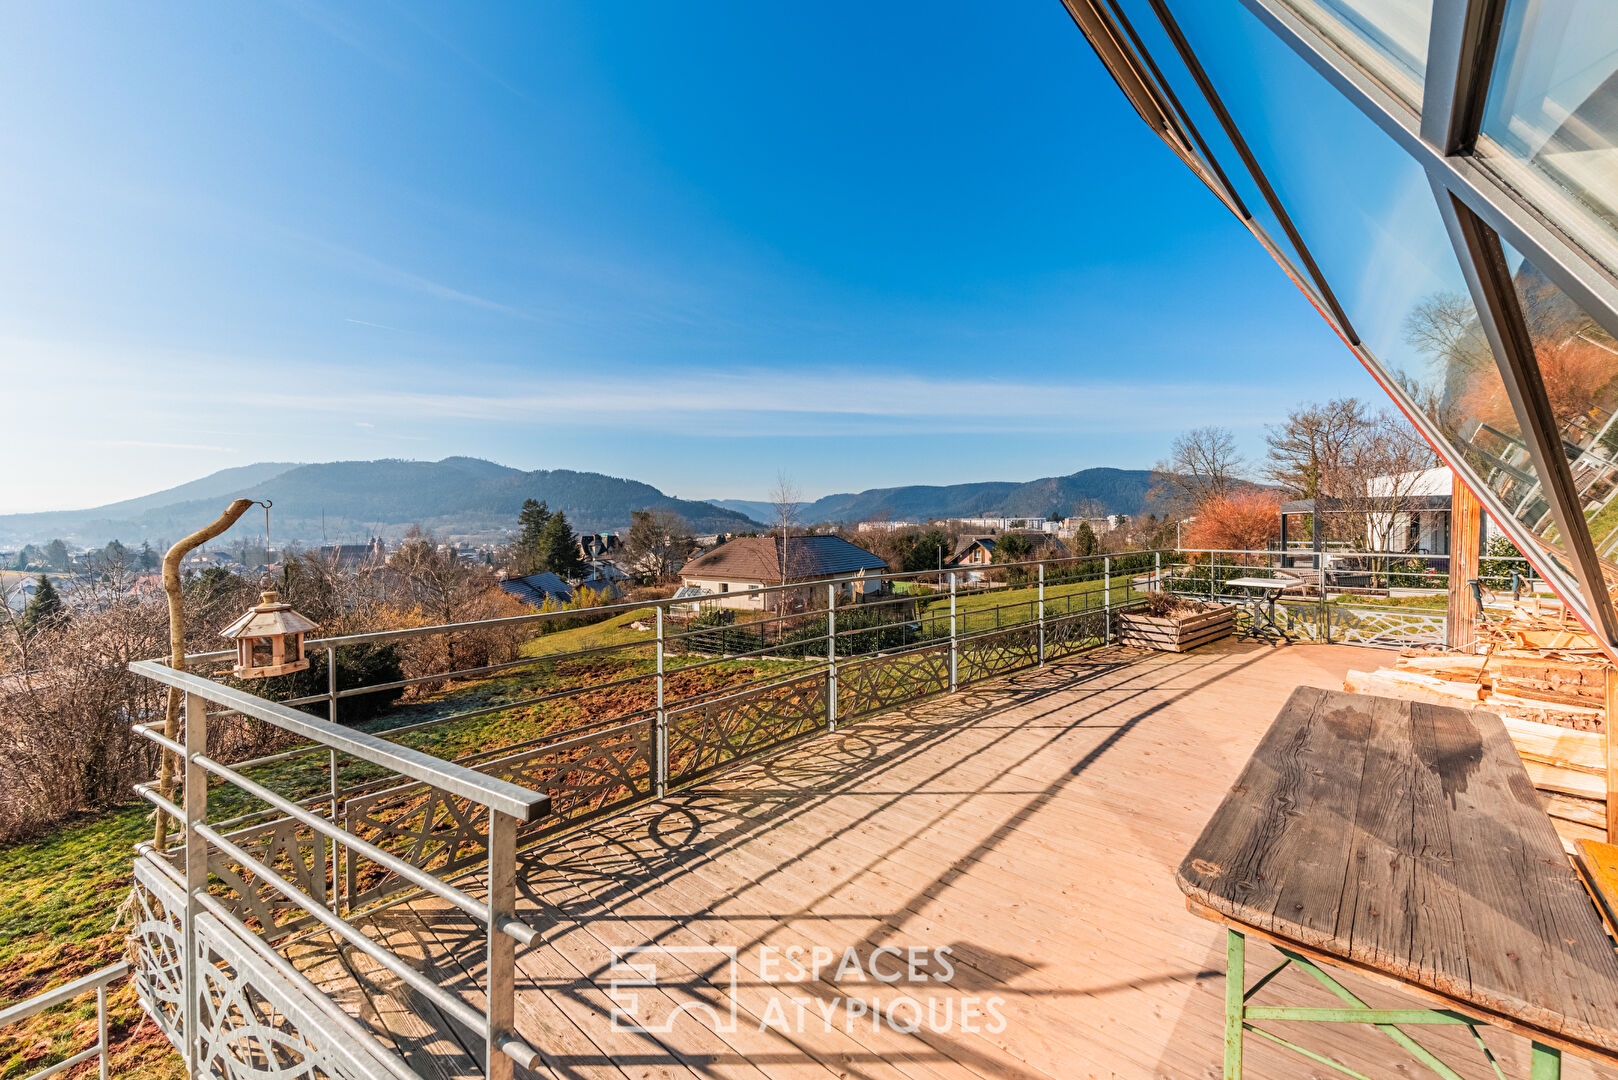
pixel 171 586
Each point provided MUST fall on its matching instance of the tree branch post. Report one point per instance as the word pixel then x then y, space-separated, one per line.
pixel 171 586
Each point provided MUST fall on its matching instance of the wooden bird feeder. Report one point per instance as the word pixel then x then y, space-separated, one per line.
pixel 269 640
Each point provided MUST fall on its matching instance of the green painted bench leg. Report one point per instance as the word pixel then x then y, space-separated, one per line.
pixel 1235 1000
pixel 1545 1062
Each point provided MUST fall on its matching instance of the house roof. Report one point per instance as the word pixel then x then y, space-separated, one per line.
pixel 757 558
pixel 967 543
pixel 535 589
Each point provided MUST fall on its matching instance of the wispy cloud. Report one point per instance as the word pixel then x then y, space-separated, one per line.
pixel 829 402
pixel 146 444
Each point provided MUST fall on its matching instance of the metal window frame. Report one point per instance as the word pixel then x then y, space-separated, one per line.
pixel 1488 278
pixel 1527 228
pixel 1172 28
pixel 1478 210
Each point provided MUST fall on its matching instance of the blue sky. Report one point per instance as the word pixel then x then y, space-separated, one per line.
pixel 694 244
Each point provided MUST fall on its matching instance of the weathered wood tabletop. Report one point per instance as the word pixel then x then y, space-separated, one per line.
pixel 1405 838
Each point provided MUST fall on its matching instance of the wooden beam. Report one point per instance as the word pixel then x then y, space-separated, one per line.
pixel 1465 545
pixel 1612 758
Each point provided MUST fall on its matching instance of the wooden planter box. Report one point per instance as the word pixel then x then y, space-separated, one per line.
pixel 1179 633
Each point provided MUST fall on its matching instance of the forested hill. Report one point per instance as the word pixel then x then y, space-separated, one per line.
pixel 349 500
pixel 1102 491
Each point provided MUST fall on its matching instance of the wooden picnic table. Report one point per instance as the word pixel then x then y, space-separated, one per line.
pixel 1404 841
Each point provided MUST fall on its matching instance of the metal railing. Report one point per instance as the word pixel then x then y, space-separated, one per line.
pixel 1384 599
pixel 96 981
pixel 275 851
pixel 226 878
pixel 531 738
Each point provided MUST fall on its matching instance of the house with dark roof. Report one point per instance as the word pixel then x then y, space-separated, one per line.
pixel 597 546
pixel 734 572
pixel 535 589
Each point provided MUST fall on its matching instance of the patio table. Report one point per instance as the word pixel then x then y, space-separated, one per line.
pixel 1403 841
pixel 1262 623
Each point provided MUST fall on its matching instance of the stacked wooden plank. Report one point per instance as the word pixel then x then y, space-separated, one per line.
pixel 1553 703
pixel 1539 624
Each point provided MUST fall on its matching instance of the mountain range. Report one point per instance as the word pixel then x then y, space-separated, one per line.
pixel 1090 491
pixel 344 501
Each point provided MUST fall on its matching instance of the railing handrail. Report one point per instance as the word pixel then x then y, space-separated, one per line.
pixel 96 981
pixel 66 992
pixel 609 610
pixel 500 795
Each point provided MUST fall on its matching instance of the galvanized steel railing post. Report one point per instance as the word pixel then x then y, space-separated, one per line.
pixel 1325 610
pixel 660 739
pixel 1106 599
pixel 1041 616
pixel 954 649
pixel 196 873
pixel 1157 571
pixel 101 1027
pixel 831 657
pixel 334 896
pixel 502 947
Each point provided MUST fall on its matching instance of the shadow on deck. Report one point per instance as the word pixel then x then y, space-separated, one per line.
pixel 1004 856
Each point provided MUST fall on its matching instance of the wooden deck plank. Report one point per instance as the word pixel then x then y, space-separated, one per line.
pixel 1032 823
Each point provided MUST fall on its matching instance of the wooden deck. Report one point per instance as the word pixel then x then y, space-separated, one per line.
pixel 1031 824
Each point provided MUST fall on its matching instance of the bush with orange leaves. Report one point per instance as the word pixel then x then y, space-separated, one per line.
pixel 1240 521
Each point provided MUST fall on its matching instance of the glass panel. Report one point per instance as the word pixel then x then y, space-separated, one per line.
pixel 1388 38
pixel 1368 214
pixel 1145 23
pixel 1578 364
pixel 1553 98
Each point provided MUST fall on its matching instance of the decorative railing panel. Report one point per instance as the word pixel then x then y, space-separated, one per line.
pixel 1074 633
pixel 1386 626
pixel 715 733
pixel 427 827
pixel 296 854
pixel 253 1024
pixel 157 947
pixel 883 682
pixel 992 654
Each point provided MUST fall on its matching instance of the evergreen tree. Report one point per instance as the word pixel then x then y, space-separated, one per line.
pixel 43 607
pixel 56 556
pixel 559 548
pixel 930 552
pixel 148 558
pixel 1084 541
pixel 531 522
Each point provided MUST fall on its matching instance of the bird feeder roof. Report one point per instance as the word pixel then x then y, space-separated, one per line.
pixel 268 619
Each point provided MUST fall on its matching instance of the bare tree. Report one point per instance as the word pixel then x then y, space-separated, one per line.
pixel 1309 450
pixel 659 543
pixel 1378 484
pixel 1203 463
pixel 784 502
